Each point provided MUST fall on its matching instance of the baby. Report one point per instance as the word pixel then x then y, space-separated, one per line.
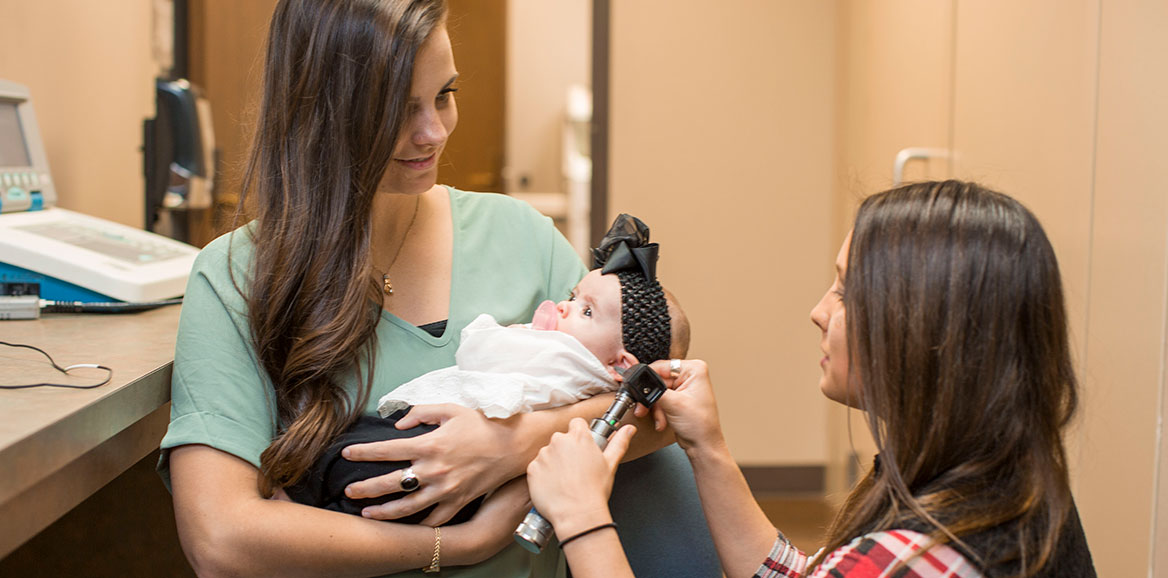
pixel 567 353
pixel 617 316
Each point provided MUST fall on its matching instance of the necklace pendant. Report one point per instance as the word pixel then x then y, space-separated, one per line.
pixel 386 286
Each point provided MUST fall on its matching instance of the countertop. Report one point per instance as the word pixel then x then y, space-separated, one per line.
pixel 59 446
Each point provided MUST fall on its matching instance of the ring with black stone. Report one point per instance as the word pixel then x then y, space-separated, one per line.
pixel 409 480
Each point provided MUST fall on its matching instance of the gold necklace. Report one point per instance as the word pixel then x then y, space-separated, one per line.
pixel 386 286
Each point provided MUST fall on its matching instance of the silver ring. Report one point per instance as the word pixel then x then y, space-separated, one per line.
pixel 675 367
pixel 409 480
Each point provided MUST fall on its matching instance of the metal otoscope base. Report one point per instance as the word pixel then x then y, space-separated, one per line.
pixel 640 384
pixel 533 533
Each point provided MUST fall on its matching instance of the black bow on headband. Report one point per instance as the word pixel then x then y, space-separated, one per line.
pixel 626 247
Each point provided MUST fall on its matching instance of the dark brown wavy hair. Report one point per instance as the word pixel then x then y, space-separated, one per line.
pixel 335 92
pixel 957 339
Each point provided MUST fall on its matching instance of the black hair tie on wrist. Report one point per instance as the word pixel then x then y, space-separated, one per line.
pixel 565 541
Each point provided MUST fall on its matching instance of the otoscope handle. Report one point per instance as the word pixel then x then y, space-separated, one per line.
pixel 641 385
pixel 533 533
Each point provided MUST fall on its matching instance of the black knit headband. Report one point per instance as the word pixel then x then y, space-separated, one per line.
pixel 626 251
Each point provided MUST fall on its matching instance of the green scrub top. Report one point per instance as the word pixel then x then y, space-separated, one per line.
pixel 507 259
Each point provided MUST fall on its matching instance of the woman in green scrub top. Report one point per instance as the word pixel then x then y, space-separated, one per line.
pixel 357 274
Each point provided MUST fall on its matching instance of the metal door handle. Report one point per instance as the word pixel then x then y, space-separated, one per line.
pixel 914 153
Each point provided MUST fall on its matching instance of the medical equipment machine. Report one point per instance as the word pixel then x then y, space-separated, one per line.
pixel 179 147
pixel 73 257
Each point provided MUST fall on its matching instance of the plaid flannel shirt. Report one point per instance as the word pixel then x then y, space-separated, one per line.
pixel 870 556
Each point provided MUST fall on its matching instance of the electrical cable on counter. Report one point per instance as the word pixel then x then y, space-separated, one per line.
pixel 65 370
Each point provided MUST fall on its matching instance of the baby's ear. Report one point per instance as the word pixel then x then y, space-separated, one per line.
pixel 624 360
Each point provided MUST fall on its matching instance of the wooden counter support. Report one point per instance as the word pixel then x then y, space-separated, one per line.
pixel 59 446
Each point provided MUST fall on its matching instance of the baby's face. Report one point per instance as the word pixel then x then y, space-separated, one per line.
pixel 593 315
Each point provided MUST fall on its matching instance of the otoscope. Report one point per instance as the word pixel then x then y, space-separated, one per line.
pixel 640 384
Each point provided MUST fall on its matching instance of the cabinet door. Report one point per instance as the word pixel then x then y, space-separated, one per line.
pixel 1060 104
pixel 1024 117
pixel 473 159
pixel 1122 366
pixel 1024 123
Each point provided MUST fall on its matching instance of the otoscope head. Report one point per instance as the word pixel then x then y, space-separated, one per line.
pixel 642 384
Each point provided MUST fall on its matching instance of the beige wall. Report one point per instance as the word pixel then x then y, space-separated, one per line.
pixel 721 141
pixel 548 49
pixel 894 85
pixel 805 104
pixel 90 70
pixel 743 136
pixel 895 79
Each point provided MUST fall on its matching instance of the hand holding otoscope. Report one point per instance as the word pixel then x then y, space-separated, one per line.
pixel 640 384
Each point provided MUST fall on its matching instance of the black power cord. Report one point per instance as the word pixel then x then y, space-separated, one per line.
pixel 110 307
pixel 65 370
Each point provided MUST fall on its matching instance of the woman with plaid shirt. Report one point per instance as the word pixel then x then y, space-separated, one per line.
pixel 946 325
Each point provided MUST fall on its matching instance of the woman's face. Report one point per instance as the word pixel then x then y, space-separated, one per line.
pixel 431 116
pixel 830 317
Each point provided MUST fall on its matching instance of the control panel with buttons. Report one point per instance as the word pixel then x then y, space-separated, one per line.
pixel 25 184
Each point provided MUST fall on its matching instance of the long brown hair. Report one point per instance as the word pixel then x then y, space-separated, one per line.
pixel 335 93
pixel 957 341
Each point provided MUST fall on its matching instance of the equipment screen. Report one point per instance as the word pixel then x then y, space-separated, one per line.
pixel 12 150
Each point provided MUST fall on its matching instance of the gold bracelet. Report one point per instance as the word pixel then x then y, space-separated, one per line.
pixel 435 566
